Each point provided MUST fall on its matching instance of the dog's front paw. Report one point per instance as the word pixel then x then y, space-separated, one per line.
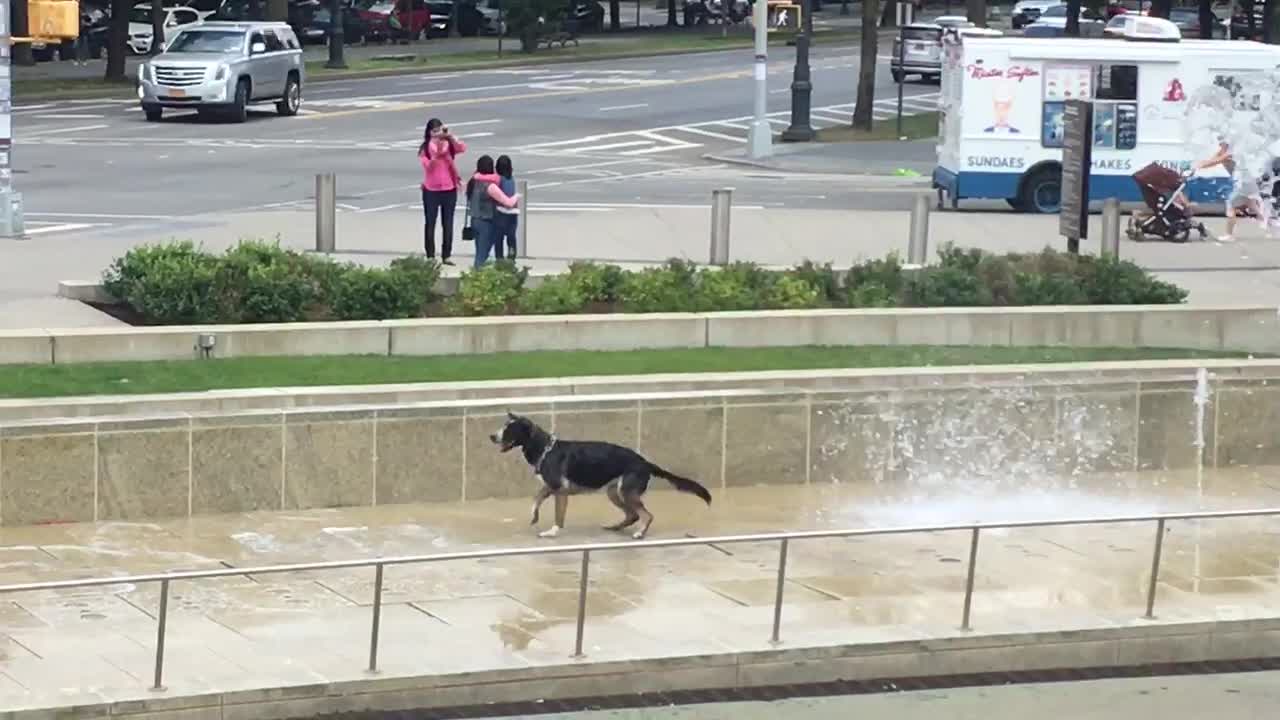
pixel 638 535
pixel 551 532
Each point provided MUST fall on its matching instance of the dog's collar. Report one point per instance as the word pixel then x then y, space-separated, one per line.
pixel 537 468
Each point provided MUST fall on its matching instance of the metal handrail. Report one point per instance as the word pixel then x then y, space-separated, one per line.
pixel 783 538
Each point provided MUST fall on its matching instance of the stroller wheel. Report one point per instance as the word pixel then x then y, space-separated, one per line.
pixel 1204 233
pixel 1180 236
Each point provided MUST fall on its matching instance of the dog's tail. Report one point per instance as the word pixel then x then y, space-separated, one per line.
pixel 682 484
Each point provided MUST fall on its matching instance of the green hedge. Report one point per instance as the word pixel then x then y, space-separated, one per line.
pixel 260 282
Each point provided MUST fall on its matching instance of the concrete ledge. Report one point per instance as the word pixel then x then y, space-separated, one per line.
pixel 954 654
pixel 26 347
pixel 848 379
pixel 1247 328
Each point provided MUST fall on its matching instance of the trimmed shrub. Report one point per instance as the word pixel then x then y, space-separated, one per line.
pixel 259 281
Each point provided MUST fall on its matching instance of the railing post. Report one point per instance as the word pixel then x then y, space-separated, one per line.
pixel 1155 570
pixel 162 619
pixel 377 618
pixel 522 225
pixel 777 599
pixel 1111 228
pixel 968 581
pixel 721 206
pixel 326 212
pixel 582 603
pixel 918 242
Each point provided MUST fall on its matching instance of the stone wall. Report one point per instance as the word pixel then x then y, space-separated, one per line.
pixel 174 466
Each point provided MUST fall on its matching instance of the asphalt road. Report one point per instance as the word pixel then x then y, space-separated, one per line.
pixel 622 131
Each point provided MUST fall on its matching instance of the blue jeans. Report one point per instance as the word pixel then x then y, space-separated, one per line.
pixel 505 235
pixel 485 232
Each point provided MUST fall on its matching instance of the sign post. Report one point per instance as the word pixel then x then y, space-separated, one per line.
pixel 11 222
pixel 1077 160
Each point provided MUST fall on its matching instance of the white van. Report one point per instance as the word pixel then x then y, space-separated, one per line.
pixel 1000 110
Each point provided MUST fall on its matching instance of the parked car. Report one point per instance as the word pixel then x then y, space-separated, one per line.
pixel 310 22
pixel 491 17
pixel 1240 24
pixel 1026 12
pixel 223 67
pixel 1053 23
pixel 176 19
pixel 1188 21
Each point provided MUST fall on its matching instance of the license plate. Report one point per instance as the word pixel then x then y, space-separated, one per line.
pixel 175 93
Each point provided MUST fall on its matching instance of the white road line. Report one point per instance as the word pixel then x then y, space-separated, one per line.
pixel 469 123
pixel 380 208
pixel 830 117
pixel 585 166
pixel 660 148
pixel 708 133
pixel 640 206
pixel 613 146
pixel 81 128
pixel 58 228
pixel 105 216
pixel 649 173
pixel 473 135
pixel 739 126
pixel 51 116
pixel 624 107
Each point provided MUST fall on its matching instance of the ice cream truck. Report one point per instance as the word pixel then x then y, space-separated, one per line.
pixel 1002 101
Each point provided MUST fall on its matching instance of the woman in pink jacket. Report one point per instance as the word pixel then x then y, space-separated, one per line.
pixel 440 181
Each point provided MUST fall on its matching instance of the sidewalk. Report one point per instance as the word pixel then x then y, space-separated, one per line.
pixel 693 607
pixel 872 157
pixel 1245 272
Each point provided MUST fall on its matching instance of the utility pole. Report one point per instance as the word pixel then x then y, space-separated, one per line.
pixel 761 139
pixel 11 221
pixel 801 130
pixel 337 36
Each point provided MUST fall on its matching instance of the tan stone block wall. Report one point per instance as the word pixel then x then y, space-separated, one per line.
pixel 914 432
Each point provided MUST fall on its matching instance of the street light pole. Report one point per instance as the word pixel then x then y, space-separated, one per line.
pixel 11 219
pixel 801 130
pixel 761 139
pixel 337 37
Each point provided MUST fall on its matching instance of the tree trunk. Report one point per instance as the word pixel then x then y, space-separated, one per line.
pixel 1073 18
pixel 862 112
pixel 889 14
pixel 1160 8
pixel 117 39
pixel 1206 20
pixel 615 14
pixel 278 10
pixel 1269 18
pixel 254 9
pixel 671 13
pixel 976 10
pixel 157 28
pixel 18 26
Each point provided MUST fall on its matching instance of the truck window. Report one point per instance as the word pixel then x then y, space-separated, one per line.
pixel 1116 82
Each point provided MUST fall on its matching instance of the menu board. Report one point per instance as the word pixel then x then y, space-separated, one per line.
pixel 1077 156
pixel 1068 82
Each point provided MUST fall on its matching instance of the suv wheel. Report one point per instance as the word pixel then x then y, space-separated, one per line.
pixel 240 106
pixel 292 99
pixel 153 112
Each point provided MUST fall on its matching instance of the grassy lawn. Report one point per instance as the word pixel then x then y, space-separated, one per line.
pixel 914 127
pixel 31 381
pixel 55 88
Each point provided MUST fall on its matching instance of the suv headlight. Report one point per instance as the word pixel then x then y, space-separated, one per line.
pixel 142 72
pixel 221 72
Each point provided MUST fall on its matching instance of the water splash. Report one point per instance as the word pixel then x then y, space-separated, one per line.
pixel 1242 110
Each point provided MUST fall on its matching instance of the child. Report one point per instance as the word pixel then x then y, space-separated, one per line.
pixel 507 218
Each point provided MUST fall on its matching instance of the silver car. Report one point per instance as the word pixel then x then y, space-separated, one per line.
pixel 223 67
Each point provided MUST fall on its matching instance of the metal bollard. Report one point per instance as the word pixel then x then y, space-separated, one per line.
pixel 918 243
pixel 326 212
pixel 522 226
pixel 721 204
pixel 1111 228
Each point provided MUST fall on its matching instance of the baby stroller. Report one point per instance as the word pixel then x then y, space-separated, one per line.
pixel 1170 217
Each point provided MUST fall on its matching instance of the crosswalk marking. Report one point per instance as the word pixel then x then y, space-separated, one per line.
pixel 679 137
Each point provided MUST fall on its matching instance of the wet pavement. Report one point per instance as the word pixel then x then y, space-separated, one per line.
pixel 91 645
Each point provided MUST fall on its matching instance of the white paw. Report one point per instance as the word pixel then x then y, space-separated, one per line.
pixel 551 532
pixel 638 535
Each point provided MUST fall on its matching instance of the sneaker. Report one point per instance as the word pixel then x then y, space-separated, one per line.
pixel 446 261
pixel 1226 238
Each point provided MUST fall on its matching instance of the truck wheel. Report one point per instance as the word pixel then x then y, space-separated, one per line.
pixel 240 107
pixel 153 113
pixel 292 99
pixel 1042 191
pixel 897 76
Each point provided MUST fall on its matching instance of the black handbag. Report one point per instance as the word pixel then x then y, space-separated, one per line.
pixel 468 231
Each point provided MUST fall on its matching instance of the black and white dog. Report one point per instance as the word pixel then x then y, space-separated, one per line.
pixel 571 467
